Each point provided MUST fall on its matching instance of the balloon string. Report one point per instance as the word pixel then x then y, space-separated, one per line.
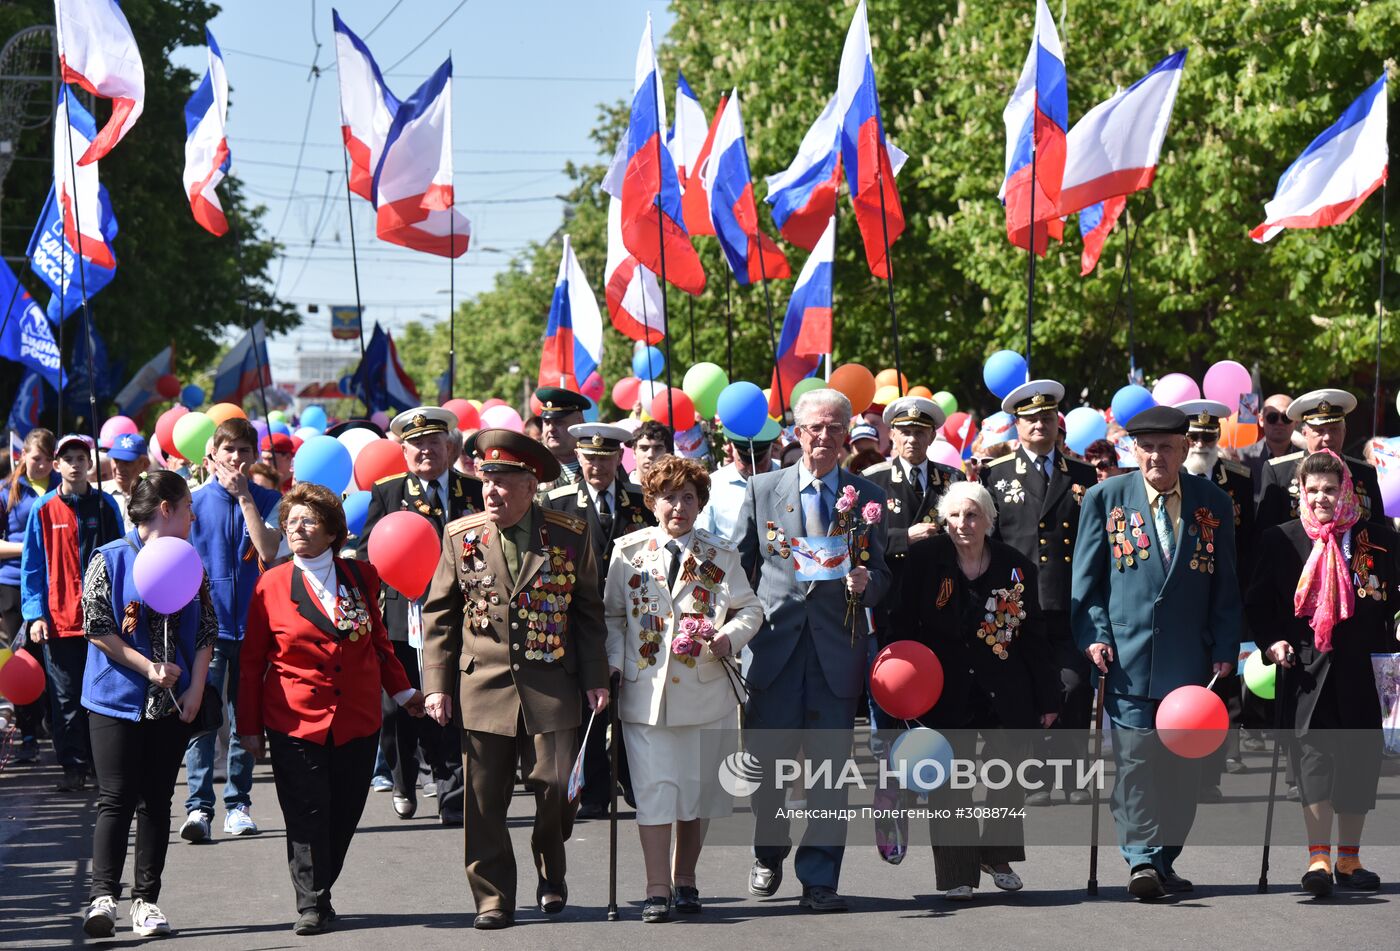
pixel 1211 685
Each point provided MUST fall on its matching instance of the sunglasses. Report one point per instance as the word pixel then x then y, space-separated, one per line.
pixel 1273 417
pixel 1103 465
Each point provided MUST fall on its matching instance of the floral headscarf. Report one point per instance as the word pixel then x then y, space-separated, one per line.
pixel 1324 592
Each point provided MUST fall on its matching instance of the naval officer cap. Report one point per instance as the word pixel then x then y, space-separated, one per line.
pixel 557 402
pixel 1320 407
pixel 1034 397
pixel 1157 420
pixel 1203 416
pixel 504 450
pixel 423 420
pixel 914 411
pixel 599 439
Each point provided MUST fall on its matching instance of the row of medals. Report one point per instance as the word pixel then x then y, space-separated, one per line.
pixel 1122 548
pixel 1004 615
pixel 544 608
pixel 1202 560
pixel 1367 585
pixel 351 614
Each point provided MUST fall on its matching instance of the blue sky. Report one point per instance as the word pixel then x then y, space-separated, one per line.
pixel 528 78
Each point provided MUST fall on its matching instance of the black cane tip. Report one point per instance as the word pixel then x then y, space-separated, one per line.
pixel 1092 889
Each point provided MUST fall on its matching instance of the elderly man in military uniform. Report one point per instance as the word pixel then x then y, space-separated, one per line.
pixel 1038 491
pixel 513 636
pixel 1323 415
pixel 612 507
pixel 1155 606
pixel 440 494
pixel 561 410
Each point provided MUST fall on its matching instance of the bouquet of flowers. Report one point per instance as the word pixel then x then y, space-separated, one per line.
pixel 856 528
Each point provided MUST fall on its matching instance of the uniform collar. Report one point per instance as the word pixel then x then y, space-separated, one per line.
pixel 610 492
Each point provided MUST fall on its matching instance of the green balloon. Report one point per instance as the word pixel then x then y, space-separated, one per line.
pixel 946 401
pixel 192 434
pixel 703 383
pixel 805 386
pixel 277 416
pixel 1259 676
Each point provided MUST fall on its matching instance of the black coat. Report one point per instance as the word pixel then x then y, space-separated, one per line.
pixel 1283 551
pixel 1234 478
pixel 400 493
pixel 630 514
pixel 1041 520
pixel 949 613
pixel 1278 499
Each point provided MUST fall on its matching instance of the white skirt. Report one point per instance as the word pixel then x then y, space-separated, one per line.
pixel 675 769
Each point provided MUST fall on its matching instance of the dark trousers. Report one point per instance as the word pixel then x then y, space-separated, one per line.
pixel 322 788
pixel 137 763
pixel 402 736
pixel 1154 796
pixel 65 659
pixel 960 848
pixel 29 717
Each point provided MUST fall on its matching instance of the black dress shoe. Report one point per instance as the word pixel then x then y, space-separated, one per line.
pixel 1318 883
pixel 1145 885
pixel 1234 766
pixel 1080 796
pixel 559 893
pixel 404 807
pixel 310 922
pixel 1040 797
pixel 764 881
pixel 450 817
pixel 74 780
pixel 493 920
pixel 1361 880
pixel 656 909
pixel 1174 884
pixel 687 900
pixel 1211 794
pixel 592 810
pixel 820 898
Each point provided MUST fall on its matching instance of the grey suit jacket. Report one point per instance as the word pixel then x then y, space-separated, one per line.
pixel 789 607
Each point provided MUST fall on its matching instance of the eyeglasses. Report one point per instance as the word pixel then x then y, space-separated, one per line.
pixel 1273 417
pixel 303 523
pixel 830 429
pixel 1203 437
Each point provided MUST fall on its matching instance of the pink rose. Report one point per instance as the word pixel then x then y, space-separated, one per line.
pixel 707 630
pixel 872 513
pixel 682 645
pixel 690 626
pixel 847 501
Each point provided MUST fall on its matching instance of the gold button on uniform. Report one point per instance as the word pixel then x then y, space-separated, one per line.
pixel 1042 524
pixel 515 647
pixel 514 666
pixel 1044 557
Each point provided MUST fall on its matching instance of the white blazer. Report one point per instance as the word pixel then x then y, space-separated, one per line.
pixel 636 592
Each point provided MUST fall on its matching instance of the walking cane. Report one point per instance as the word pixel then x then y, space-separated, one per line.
pixel 1092 887
pixel 1273 776
pixel 615 740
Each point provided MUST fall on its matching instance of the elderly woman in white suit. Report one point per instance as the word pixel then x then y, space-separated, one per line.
pixel 679 608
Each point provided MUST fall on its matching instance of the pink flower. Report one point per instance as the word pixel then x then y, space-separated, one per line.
pixel 872 513
pixel 682 644
pixel 848 499
pixel 690 625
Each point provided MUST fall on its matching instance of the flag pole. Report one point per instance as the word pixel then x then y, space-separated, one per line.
pixel 772 334
pixel 247 312
pixel 451 301
pixel 87 313
pixel 728 328
pixel 889 280
pixel 661 246
pixel 692 329
pixel 355 264
pixel 835 213
pixel 65 281
pixel 1380 324
pixel 1030 276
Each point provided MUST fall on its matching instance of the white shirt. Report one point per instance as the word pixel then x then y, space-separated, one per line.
pixel 727 488
pixel 910 467
pixel 110 487
pixel 610 492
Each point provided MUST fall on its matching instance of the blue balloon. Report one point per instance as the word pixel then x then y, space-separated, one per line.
pixel 356 510
pixel 315 417
pixel 1003 372
pixel 1129 401
pixel 277 427
pixel 590 415
pixel 192 396
pixel 921 758
pixel 325 461
pixel 1084 425
pixel 648 363
pixel 742 409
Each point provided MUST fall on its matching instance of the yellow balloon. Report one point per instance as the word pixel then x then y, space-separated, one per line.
pixel 5 655
pixel 886 395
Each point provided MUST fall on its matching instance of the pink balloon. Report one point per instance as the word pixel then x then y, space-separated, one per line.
pixel 114 427
pixel 1390 494
pixel 941 451
pixel 502 417
pixel 593 387
pixel 1225 382
pixel 380 419
pixel 1177 388
pixel 493 401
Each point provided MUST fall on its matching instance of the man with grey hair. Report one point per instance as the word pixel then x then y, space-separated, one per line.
pixel 808 667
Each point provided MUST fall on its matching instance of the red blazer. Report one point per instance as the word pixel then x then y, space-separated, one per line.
pixel 299 675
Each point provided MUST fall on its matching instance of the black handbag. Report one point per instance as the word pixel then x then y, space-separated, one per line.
pixel 211 709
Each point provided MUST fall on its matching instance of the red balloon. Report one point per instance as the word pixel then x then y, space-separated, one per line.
pixel 536 407
pixel 404 549
pixel 906 679
pixel 673 400
pixel 493 401
pixel 624 393
pixel 1192 722
pixel 165 430
pixel 21 679
pixel 378 460
pixel 168 386
pixel 952 430
pixel 466 413
pixel 593 387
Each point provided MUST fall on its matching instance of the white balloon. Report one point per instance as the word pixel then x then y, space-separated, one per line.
pixel 307 432
pixel 356 439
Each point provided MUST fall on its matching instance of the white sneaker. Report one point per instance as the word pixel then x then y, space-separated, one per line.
pixel 238 822
pixel 196 827
pixel 147 920
pixel 101 918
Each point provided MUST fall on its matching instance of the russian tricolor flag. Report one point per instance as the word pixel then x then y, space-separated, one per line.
pixel 76 184
pixel 650 191
pixel 1095 224
pixel 367 107
pixel 413 181
pixel 207 156
pixel 1113 149
pixel 573 340
pixel 803 195
pixel 1036 119
pixel 244 368
pixel 632 293
pixel 751 254
pixel 97 51
pixel 806 336
pixel 869 173
pixel 1335 173
pixel 690 149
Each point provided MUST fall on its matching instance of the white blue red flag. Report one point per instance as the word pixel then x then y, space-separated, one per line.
pixel 631 291
pixel 750 253
pixel 650 189
pixel 1037 117
pixel 380 381
pixel 97 51
pixel 244 368
pixel 56 262
pixel 207 156
pixel 1095 224
pixel 690 147
pixel 573 339
pixel 413 181
pixel 806 336
pixel 803 195
pixel 1113 149
pixel 869 172
pixel 140 391
pixel 1336 172
pixel 367 107
pixel 76 185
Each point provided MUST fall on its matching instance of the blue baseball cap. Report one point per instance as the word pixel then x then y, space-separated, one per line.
pixel 128 447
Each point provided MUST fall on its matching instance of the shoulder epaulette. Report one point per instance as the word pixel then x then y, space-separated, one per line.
pixel 559 492
pixel 1353 461
pixel 718 541
pixel 1000 459
pixel 459 525
pixel 1291 457
pixel 1238 468
pixel 632 538
pixel 571 522
pixel 947 469
pixel 391 478
pixel 882 467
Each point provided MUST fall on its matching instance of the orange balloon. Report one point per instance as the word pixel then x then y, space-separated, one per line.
pixel 1235 435
pixel 222 411
pixel 857 383
pixel 923 391
pixel 888 377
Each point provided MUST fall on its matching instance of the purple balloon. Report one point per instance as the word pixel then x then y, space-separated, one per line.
pixel 261 427
pixel 1390 494
pixel 168 574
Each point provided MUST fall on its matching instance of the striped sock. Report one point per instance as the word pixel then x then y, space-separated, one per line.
pixel 1348 858
pixel 1320 857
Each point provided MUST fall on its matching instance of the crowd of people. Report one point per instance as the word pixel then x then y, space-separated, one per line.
pixel 569 591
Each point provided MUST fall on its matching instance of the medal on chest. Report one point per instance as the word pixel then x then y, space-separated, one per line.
pixel 544 606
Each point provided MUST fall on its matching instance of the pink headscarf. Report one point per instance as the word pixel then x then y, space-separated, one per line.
pixel 1324 591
